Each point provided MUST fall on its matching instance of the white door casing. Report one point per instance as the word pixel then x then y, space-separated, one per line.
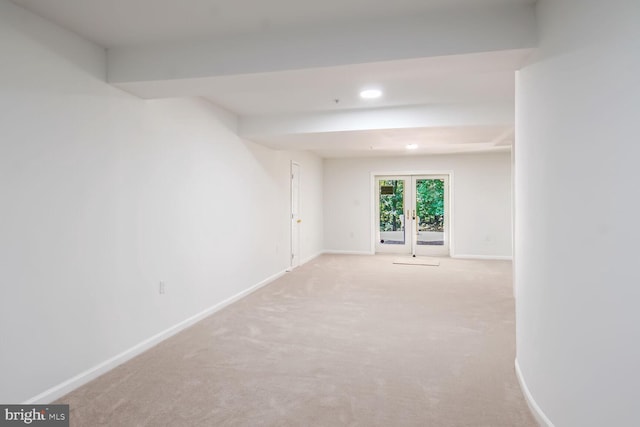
pixel 295 215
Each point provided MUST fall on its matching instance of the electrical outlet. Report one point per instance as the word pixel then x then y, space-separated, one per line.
pixel 162 289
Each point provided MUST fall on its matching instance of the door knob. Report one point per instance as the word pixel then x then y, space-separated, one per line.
pixel 299 221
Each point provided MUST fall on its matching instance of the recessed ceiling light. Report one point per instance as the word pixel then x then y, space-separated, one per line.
pixel 412 146
pixel 371 93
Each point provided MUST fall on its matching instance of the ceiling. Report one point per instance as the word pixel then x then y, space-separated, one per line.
pixel 476 76
pixel 112 23
pixel 390 142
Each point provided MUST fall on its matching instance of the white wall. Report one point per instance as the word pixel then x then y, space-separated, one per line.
pixel 311 209
pixel 481 190
pixel 103 195
pixel 577 212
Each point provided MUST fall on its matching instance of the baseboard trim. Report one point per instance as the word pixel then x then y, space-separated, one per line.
pixel 537 412
pixel 339 252
pixel 304 261
pixel 81 379
pixel 311 258
pixel 487 257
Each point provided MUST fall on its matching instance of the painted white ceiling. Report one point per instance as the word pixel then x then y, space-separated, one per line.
pixel 483 77
pixel 479 77
pixel 310 91
pixel 386 142
pixel 112 23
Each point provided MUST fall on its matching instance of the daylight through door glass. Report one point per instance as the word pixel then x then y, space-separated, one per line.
pixel 391 202
pixel 430 211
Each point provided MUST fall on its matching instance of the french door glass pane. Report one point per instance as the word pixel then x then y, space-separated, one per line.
pixel 392 230
pixel 430 211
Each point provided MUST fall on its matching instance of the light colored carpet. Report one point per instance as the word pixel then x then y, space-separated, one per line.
pixel 340 341
pixel 409 260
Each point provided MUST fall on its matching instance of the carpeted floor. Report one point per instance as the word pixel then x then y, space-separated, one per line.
pixel 340 341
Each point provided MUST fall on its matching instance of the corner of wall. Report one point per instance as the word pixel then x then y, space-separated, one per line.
pixel 537 412
pixel 79 380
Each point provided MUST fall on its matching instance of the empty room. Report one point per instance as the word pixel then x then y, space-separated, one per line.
pixel 339 213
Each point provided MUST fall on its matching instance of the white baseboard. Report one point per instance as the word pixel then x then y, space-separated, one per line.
pixel 304 261
pixel 540 416
pixel 79 380
pixel 487 257
pixel 311 258
pixel 339 252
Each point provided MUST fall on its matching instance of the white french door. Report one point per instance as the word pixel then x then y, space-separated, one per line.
pixel 412 214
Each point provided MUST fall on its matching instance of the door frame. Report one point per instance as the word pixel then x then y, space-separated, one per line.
pixel 294 228
pixel 373 207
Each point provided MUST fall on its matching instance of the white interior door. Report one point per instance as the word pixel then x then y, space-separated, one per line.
pixel 412 214
pixel 295 214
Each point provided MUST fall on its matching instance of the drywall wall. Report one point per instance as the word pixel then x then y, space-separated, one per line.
pixel 481 195
pixel 577 233
pixel 311 209
pixel 104 195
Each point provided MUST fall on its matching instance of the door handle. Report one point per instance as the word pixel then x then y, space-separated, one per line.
pixel 299 221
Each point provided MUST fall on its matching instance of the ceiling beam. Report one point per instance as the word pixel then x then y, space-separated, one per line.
pixel 445 32
pixel 421 116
